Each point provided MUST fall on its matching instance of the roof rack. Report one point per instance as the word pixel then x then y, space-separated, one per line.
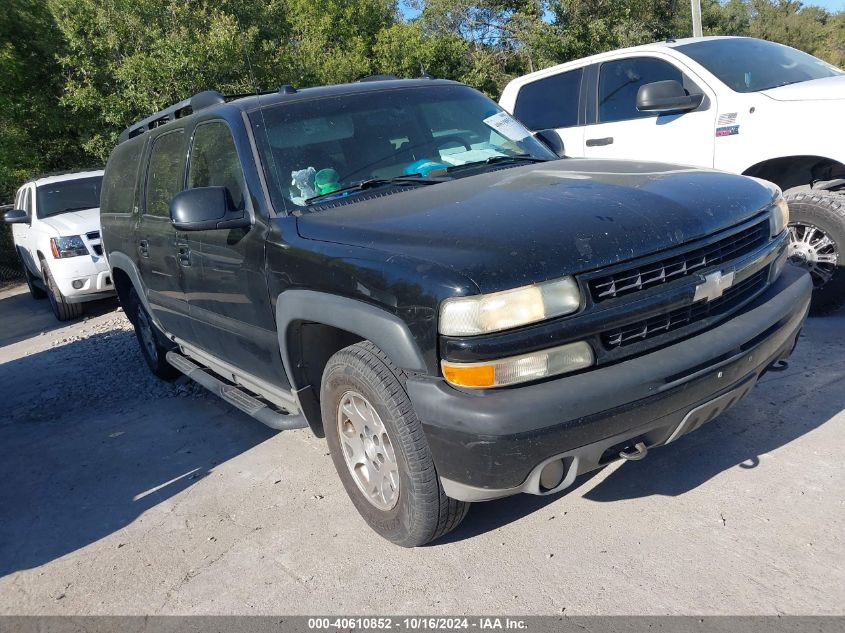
pixel 199 101
pixel 376 78
pixel 62 172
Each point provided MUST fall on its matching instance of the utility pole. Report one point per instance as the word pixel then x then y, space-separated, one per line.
pixel 696 18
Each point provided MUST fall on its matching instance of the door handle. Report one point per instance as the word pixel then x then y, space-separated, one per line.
pixel 596 142
pixel 183 255
pixel 144 248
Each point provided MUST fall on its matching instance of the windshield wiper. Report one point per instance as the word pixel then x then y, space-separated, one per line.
pixel 377 182
pixel 493 160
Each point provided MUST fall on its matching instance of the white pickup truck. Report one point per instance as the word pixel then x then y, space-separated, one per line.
pixel 738 104
pixel 56 228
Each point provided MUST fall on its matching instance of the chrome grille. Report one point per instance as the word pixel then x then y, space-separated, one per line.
pixel 648 328
pixel 645 276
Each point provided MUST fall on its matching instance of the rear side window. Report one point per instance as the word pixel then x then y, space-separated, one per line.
pixel 551 102
pixel 165 173
pixel 620 80
pixel 215 162
pixel 118 195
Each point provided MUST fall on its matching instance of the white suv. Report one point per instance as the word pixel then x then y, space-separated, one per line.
pixel 739 104
pixel 56 229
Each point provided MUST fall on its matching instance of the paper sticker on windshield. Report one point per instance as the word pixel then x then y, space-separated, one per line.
pixel 507 126
pixel 728 130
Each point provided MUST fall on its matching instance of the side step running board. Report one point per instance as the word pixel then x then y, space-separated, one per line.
pixel 235 396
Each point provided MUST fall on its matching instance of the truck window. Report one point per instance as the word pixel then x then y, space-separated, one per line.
pixel 620 80
pixel 118 194
pixel 215 162
pixel 551 102
pixel 165 173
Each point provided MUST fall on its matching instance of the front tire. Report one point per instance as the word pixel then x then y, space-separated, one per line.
pixel 154 346
pixel 35 291
pixel 379 449
pixel 62 310
pixel 817 244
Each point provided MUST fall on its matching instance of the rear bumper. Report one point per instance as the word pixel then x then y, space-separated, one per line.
pixel 493 444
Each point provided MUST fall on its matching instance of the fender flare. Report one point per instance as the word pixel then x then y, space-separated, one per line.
pixel 374 324
pixel 121 261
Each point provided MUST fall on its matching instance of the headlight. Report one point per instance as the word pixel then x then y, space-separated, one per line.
pixel 510 371
pixel 780 216
pixel 480 314
pixel 71 246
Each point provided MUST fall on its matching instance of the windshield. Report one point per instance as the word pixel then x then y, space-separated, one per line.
pixel 68 195
pixel 749 65
pixel 400 137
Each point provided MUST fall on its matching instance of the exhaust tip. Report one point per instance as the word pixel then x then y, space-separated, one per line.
pixel 552 475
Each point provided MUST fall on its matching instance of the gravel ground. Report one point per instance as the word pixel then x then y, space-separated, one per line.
pixel 125 495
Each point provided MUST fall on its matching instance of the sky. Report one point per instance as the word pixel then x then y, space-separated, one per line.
pixel 830 5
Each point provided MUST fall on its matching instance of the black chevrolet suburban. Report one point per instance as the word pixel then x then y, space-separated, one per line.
pixel 401 267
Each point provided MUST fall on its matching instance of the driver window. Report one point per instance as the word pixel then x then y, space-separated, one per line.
pixel 620 80
pixel 215 162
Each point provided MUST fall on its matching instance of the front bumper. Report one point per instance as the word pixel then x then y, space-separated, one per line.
pixel 493 444
pixel 91 273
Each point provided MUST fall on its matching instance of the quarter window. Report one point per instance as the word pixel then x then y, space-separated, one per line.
pixel 118 194
pixel 620 80
pixel 551 102
pixel 215 163
pixel 165 173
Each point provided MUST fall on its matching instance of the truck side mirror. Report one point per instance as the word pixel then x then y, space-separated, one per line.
pixel 205 209
pixel 666 96
pixel 551 139
pixel 16 216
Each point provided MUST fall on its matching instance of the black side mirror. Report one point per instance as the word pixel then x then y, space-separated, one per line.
pixel 552 140
pixel 666 96
pixel 204 209
pixel 16 216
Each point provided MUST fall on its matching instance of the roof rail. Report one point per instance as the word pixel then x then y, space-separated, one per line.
pixel 376 78
pixel 62 172
pixel 199 101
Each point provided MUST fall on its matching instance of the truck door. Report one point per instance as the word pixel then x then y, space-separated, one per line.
pixel 156 238
pixel 22 233
pixel 225 282
pixel 554 103
pixel 619 130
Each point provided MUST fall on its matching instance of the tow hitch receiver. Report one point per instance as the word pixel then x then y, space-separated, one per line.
pixel 634 454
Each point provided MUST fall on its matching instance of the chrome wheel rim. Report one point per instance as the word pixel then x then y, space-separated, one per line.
pixel 368 450
pixel 146 332
pixel 813 250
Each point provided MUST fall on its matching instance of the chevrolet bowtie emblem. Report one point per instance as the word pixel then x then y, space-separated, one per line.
pixel 714 285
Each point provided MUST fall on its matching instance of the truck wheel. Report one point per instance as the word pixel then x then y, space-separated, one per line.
pixel 154 346
pixel 62 310
pixel 817 244
pixel 380 451
pixel 35 291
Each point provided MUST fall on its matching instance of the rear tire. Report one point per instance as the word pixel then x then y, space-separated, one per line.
pixel 154 346
pixel 63 310
pixel 401 498
pixel 817 244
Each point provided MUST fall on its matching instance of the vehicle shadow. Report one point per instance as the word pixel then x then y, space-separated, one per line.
pixel 89 442
pixel 783 407
pixel 22 317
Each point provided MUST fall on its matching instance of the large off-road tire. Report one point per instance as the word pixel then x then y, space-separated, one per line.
pixel 62 310
pixel 817 243
pixel 154 346
pixel 35 291
pixel 380 451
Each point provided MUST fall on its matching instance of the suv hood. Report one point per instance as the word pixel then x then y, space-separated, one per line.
pixel 74 222
pixel 829 88
pixel 515 226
